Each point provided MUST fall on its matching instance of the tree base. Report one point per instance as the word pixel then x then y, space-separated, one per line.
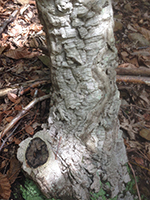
pixel 72 171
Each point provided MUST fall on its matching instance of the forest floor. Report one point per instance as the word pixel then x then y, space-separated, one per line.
pixel 24 77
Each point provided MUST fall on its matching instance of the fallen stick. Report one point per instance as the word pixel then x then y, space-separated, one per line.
pixel 138 192
pixel 141 71
pixel 5 91
pixel 4 141
pixel 24 87
pixel 22 113
pixel 133 79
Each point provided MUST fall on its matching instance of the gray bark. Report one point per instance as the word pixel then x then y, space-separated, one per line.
pixel 83 124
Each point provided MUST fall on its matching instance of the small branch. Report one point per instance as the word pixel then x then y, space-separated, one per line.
pixel 35 84
pixel 25 87
pixel 5 91
pixel 133 79
pixel 135 181
pixel 142 71
pixel 4 141
pixel 22 113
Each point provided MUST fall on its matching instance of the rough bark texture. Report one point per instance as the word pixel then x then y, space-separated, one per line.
pixel 83 124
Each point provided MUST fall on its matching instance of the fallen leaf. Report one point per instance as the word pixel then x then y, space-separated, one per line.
pixel 3 164
pixel 147 117
pixel 14 170
pixel 139 160
pixel 139 39
pixel 16 30
pixel 2 49
pixel 5 186
pixel 23 2
pixel 19 53
pixel 18 107
pixel 1 116
pixel 12 97
pixel 16 140
pixel 19 68
pixel 9 119
pixel 35 27
pixel 144 31
pixel 145 133
pixel 29 130
pixel 8 112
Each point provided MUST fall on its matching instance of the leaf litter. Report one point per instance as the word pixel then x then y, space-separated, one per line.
pixel 132 34
pixel 24 87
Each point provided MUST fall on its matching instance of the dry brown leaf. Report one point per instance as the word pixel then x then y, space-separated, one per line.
pixel 18 100
pixel 8 112
pixel 1 116
pixel 19 53
pixel 144 31
pixel 16 140
pixel 144 96
pixel 147 117
pixel 139 160
pixel 36 28
pixel 3 164
pixel 19 68
pixel 4 38
pixel 29 130
pixel 128 126
pixel 147 148
pixel 16 30
pixel 5 186
pixel 2 49
pixel 12 97
pixel 136 145
pixel 18 107
pixel 9 119
pixel 14 170
pixel 145 133
pixel 23 2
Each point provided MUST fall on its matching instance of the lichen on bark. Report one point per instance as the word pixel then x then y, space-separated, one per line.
pixel 83 119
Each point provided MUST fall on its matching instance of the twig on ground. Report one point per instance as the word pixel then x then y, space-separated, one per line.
pixel 34 85
pixel 22 113
pixel 24 87
pixel 141 71
pixel 5 91
pixel 133 79
pixel 135 181
pixel 4 141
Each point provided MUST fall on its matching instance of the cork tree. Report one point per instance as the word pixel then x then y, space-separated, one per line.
pixel 81 152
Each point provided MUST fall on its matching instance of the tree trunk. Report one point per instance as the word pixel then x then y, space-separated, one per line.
pixel 84 144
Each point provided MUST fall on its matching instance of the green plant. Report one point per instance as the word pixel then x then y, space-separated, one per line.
pixel 102 194
pixel 31 192
pixel 130 186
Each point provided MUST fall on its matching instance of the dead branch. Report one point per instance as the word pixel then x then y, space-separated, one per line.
pixel 5 91
pixel 22 113
pixel 133 79
pixel 5 140
pixel 25 87
pixel 142 71
pixel 135 181
pixel 34 84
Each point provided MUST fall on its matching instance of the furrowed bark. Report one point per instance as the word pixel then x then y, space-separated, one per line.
pixel 84 140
